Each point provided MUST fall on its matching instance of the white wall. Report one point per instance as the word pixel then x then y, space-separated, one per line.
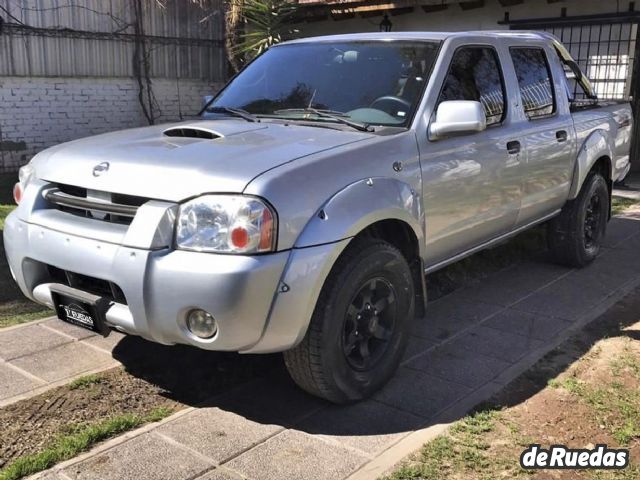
pixel 38 112
pixel 456 19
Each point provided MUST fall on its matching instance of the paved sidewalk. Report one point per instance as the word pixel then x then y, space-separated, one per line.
pixel 472 343
pixel 41 355
pixel 630 188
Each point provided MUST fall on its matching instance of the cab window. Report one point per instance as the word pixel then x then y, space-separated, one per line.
pixel 534 79
pixel 475 74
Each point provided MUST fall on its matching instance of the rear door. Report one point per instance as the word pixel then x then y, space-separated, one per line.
pixel 549 136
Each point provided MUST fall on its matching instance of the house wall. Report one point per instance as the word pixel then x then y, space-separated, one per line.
pixel 38 112
pixel 456 19
pixel 69 69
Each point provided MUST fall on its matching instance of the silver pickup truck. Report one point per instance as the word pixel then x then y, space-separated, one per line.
pixel 302 211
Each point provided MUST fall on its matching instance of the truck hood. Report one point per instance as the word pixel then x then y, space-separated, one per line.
pixel 199 157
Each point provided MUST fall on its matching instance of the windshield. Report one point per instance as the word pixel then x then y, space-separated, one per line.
pixel 374 83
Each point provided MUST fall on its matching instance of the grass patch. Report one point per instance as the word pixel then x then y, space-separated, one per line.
pixel 85 382
pixel 615 406
pixel 7 181
pixel 632 472
pixel 620 204
pixel 5 210
pixel 81 439
pixel 626 362
pixel 462 452
pixel 20 310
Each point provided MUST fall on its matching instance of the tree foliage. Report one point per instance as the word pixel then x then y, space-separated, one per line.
pixel 255 25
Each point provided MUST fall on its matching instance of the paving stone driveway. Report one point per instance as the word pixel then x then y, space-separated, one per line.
pixel 41 355
pixel 472 343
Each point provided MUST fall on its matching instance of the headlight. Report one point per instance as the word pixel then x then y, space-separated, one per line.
pixel 226 224
pixel 25 174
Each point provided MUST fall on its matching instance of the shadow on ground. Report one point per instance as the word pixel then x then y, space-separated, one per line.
pixel 258 388
pixel 613 323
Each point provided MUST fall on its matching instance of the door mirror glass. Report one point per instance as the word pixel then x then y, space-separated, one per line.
pixel 206 99
pixel 458 116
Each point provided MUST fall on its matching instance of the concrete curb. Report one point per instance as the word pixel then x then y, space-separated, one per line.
pixel 110 444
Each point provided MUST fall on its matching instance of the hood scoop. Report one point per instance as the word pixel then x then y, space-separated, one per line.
pixel 192 132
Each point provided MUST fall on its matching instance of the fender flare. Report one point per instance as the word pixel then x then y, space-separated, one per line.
pixel 318 247
pixel 360 205
pixel 596 146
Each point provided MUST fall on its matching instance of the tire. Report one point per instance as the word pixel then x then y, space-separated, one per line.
pixel 331 361
pixel 575 236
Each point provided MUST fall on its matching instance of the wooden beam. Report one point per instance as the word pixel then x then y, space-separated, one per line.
pixel 342 15
pixel 371 13
pixel 434 8
pixel 401 11
pixel 510 3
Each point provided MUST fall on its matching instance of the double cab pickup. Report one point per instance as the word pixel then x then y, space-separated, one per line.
pixel 300 212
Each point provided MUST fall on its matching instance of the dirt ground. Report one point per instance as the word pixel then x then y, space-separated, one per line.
pixel 28 426
pixel 584 393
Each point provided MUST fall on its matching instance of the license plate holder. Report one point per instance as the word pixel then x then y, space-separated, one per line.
pixel 80 308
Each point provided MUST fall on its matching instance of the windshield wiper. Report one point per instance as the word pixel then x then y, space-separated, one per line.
pixel 312 110
pixel 236 112
pixel 333 115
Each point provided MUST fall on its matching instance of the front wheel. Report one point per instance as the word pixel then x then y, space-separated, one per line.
pixel 358 330
pixel 576 235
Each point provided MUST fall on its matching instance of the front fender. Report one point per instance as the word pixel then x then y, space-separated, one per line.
pixel 596 146
pixel 361 204
pixel 321 242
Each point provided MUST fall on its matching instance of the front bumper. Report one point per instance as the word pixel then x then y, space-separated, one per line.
pixel 160 286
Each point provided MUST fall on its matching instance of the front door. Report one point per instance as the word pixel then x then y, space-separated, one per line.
pixel 471 182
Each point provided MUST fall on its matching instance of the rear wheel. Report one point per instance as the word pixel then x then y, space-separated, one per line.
pixel 576 235
pixel 358 330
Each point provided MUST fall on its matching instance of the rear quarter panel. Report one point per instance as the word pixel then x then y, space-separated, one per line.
pixel 604 130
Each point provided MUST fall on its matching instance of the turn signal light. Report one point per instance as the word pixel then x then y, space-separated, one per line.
pixel 17 193
pixel 239 237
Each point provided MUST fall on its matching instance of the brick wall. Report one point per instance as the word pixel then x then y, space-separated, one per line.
pixel 38 112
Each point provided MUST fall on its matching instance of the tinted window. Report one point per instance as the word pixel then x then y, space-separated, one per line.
pixel 375 82
pixel 534 79
pixel 474 74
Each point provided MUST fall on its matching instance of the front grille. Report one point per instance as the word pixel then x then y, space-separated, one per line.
pixel 96 286
pixel 103 206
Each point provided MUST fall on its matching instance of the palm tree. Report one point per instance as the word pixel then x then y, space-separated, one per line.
pixel 252 26
pixel 233 29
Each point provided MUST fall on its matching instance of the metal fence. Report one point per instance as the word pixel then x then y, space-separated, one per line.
pixel 181 38
pixel 605 53
pixel 603 46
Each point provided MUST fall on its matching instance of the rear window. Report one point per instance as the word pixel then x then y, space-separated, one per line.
pixel 534 80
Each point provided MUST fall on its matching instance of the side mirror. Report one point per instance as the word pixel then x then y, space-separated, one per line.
pixel 458 116
pixel 205 114
pixel 206 99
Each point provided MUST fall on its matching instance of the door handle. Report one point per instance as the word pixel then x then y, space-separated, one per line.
pixel 561 135
pixel 513 147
